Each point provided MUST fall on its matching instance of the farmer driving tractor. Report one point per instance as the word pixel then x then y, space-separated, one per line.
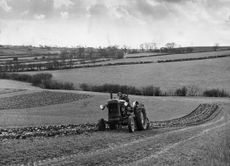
pixel 121 113
pixel 123 97
pixel 127 107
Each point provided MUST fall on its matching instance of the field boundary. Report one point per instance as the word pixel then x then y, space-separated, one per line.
pixel 192 59
pixel 43 67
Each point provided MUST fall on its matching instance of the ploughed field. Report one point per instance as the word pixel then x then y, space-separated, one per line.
pixel 184 131
pixel 202 113
pixel 41 107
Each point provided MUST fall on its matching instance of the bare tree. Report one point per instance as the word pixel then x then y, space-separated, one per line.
pixel 81 52
pixel 170 45
pixel 64 56
pixel 125 49
pixel 153 46
pixel 142 47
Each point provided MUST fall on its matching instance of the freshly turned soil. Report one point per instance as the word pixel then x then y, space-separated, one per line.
pixel 201 114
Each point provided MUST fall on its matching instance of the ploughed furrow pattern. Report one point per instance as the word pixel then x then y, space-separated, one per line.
pixel 38 99
pixel 46 131
pixel 203 113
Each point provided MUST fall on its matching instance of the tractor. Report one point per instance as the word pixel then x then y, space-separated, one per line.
pixel 121 113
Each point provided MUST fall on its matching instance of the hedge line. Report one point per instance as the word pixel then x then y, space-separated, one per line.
pixel 44 80
pixel 154 91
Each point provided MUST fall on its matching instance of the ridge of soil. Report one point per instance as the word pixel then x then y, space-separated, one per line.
pixel 202 114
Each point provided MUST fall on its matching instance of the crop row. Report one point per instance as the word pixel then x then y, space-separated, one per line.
pixel 202 113
pixel 39 99
pixel 46 131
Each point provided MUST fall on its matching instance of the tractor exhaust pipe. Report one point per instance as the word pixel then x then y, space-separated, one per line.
pixel 111 95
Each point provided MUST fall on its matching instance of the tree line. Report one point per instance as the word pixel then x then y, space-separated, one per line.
pixel 66 58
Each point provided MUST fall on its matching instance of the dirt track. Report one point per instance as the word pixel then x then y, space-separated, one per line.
pixel 156 146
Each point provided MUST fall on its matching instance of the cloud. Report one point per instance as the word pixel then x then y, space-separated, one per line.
pixel 98 10
pixel 173 1
pixel 41 7
pixel 62 3
pixel 4 5
pixel 64 15
pixel 29 8
pixel 122 22
pixel 153 10
pixel 39 16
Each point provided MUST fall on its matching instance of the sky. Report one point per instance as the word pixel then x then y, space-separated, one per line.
pixel 103 23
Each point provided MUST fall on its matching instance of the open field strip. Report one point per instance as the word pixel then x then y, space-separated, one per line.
pixel 15 85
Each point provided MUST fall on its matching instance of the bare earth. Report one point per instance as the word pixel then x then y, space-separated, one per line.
pixel 205 144
pixel 160 147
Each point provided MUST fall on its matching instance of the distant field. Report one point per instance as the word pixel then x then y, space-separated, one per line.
pixel 23 51
pixel 171 56
pixel 213 73
pixel 41 57
pixel 135 55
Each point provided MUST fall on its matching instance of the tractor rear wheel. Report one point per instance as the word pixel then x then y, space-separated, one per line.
pixel 101 125
pixel 113 126
pixel 131 124
pixel 141 119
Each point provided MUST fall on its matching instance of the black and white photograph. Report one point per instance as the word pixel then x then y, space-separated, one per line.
pixel 114 82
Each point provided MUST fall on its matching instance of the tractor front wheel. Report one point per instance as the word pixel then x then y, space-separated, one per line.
pixel 101 125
